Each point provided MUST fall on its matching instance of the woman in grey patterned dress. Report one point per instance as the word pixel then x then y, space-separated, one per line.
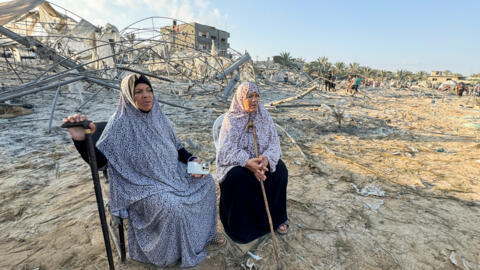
pixel 242 209
pixel 172 215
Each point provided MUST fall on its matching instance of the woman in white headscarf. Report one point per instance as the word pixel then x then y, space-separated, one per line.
pixel 172 215
pixel 242 209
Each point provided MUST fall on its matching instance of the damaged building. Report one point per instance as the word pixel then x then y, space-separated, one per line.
pixel 197 36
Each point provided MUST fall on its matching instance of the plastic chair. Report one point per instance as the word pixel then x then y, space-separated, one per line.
pixel 216 129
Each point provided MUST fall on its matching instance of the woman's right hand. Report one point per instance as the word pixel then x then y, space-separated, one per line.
pixel 255 166
pixel 77 133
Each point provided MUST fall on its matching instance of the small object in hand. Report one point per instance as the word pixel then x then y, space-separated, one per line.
pixel 198 168
pixel 84 124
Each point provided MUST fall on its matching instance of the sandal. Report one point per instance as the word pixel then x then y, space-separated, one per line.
pixel 218 240
pixel 285 227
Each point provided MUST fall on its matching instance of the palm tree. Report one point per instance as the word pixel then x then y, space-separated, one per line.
pixel 420 75
pixel 403 75
pixel 284 59
pixel 447 72
pixel 322 65
pixel 382 74
pixel 374 73
pixel 340 68
pixel 409 75
pixel 311 68
pixel 319 67
pixel 366 72
pixel 389 75
pixel 353 67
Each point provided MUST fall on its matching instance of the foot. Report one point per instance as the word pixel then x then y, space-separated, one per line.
pixel 283 229
pixel 218 240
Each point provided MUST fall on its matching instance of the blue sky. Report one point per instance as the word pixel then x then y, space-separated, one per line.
pixel 414 35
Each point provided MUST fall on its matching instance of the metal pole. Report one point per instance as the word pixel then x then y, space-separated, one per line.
pixel 53 110
pixel 10 65
pixel 99 197
pixel 123 252
pixel 42 49
pixel 8 96
pixel 229 87
pixel 246 57
pixel 86 101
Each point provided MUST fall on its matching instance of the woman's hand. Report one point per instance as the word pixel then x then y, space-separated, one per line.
pixel 197 175
pixel 264 163
pixel 77 133
pixel 255 166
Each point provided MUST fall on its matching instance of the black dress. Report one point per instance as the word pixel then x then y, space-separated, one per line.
pixel 242 209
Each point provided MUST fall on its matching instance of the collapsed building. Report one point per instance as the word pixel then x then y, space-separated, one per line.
pixel 43 48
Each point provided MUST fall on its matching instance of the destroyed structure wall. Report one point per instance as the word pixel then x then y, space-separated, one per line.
pixel 197 36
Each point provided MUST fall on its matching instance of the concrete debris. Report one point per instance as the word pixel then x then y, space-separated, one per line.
pixel 372 203
pixel 256 257
pixel 369 189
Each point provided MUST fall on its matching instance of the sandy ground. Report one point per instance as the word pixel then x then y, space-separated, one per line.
pixel 396 186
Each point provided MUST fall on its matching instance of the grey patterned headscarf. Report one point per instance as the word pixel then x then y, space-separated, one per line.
pixel 236 144
pixel 142 152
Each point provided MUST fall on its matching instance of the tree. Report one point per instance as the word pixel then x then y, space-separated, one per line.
pixel 448 72
pixel 284 59
pixel 319 67
pixel 353 67
pixel 420 75
pixel 323 66
pixel 382 74
pixel 365 72
pixel 403 75
pixel 340 68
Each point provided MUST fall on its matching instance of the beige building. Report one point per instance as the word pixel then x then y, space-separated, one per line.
pixel 196 36
pixel 441 77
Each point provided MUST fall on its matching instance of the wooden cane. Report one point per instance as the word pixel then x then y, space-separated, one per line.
pixel 255 145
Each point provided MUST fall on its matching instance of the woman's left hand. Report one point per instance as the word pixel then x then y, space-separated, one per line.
pixel 197 175
pixel 264 163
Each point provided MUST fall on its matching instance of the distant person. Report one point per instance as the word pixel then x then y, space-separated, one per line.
pixel 460 89
pixel 264 77
pixel 351 83
pixel 327 81
pixel 332 83
pixel 285 78
pixel 357 83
